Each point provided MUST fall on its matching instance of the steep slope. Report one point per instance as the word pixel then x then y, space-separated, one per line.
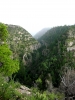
pixel 21 42
pixel 14 90
pixel 43 64
pixel 49 59
pixel 56 53
pixel 41 33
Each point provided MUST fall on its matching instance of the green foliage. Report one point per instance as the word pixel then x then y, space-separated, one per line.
pixel 8 64
pixel 39 83
pixel 52 60
pixel 37 95
pixel 3 32
pixel 8 89
pixel 19 40
pixel 52 96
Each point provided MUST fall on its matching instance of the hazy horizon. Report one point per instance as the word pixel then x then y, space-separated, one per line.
pixel 34 15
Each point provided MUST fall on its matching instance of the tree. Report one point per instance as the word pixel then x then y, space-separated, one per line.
pixel 68 85
pixel 3 32
pixel 8 65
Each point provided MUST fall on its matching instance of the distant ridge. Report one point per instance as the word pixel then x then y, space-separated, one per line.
pixel 41 33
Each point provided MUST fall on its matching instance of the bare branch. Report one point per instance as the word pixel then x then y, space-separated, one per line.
pixel 63 81
pixel 72 83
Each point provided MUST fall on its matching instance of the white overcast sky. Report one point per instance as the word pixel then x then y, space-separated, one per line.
pixel 33 15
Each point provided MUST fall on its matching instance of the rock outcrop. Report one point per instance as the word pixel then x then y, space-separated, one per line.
pixel 24 90
pixel 71 40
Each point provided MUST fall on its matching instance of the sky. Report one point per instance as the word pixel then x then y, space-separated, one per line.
pixel 34 15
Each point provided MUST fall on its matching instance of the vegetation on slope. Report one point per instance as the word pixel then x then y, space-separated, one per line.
pixel 51 59
pixel 8 65
pixel 19 40
pixel 22 45
pixel 8 91
pixel 47 63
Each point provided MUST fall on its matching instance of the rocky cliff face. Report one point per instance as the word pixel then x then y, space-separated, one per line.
pixel 71 40
pixel 21 42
